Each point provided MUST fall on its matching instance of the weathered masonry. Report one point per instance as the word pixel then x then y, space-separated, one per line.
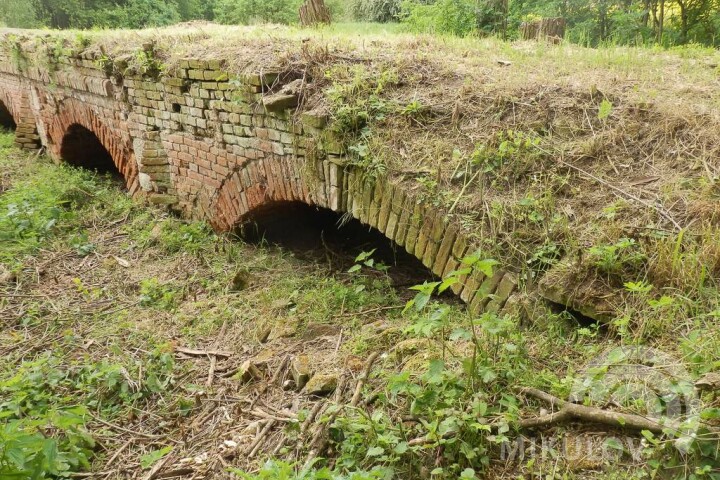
pixel 217 146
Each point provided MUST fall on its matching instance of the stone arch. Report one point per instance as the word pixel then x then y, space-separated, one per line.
pixel 421 229
pixel 77 126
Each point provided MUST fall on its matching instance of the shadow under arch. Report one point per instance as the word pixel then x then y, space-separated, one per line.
pixel 6 119
pixel 77 126
pixel 80 147
pixel 319 234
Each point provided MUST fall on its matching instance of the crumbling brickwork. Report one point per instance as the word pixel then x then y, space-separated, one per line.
pixel 213 145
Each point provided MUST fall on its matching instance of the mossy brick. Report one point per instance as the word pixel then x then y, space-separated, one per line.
pixel 314 119
pixel 392 224
pixel 349 196
pixel 451 266
pixel 357 194
pixel 428 258
pixel 173 81
pixel 424 231
pixel 460 246
pixel 385 206
pixel 404 220
pixel 197 63
pixel 259 80
pixel 375 201
pixel 332 144
pixel 482 296
pixel 414 225
pixel 367 192
pixel 502 293
pixel 460 284
pixel 196 75
pixel 217 64
pixel 445 250
pixel 470 285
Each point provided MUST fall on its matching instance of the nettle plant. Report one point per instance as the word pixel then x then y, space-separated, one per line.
pixel 448 419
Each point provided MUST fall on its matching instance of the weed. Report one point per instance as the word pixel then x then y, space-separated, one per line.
pixel 157 295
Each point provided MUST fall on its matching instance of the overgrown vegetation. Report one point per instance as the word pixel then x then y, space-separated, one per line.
pixel 94 377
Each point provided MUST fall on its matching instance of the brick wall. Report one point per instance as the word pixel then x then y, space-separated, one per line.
pixel 213 145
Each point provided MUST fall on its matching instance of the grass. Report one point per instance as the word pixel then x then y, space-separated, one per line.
pixel 589 170
pixel 98 382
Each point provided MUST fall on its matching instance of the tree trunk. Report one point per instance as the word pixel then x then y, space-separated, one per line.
pixel 314 12
pixel 552 29
pixel 683 21
pixel 646 13
pixel 661 22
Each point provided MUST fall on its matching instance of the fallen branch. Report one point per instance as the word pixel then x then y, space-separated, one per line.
pixel 363 379
pixel 589 414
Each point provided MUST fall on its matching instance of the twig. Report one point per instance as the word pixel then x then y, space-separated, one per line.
pixel 203 353
pixel 363 379
pixel 258 441
pixel 125 430
pixel 211 371
pixel 629 195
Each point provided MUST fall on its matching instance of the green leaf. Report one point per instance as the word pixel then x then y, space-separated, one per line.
pixel 435 371
pixel 375 452
pixel 615 444
pixel 149 459
pixel 486 266
pixel 468 473
pixel 605 109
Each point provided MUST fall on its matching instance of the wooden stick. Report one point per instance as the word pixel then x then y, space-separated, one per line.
pixel 203 353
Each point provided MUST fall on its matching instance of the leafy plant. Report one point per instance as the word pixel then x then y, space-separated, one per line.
pixel 155 294
pixel 364 259
pixel 625 254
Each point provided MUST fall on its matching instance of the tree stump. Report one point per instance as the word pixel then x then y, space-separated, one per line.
pixel 314 12
pixel 552 29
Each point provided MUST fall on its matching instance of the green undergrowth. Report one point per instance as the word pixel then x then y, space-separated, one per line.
pixel 98 290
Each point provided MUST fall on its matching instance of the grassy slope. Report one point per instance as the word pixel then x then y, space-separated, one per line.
pixel 93 308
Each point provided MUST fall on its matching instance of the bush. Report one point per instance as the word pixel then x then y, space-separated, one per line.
pixel 256 11
pixel 455 17
pixel 376 10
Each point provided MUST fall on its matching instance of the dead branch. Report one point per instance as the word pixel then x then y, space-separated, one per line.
pixel 588 414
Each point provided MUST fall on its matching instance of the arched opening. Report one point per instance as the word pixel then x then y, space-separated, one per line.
pixel 81 148
pixel 6 120
pixel 319 234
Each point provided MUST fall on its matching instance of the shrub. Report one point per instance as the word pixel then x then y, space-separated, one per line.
pixel 376 10
pixel 455 17
pixel 256 11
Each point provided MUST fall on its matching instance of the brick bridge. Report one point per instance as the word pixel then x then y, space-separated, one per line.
pixel 217 146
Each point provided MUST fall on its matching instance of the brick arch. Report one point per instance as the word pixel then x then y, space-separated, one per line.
pixel 419 228
pixel 73 113
pixel 14 100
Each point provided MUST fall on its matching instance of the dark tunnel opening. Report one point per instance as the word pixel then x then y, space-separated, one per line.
pixel 321 235
pixel 6 120
pixel 81 148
